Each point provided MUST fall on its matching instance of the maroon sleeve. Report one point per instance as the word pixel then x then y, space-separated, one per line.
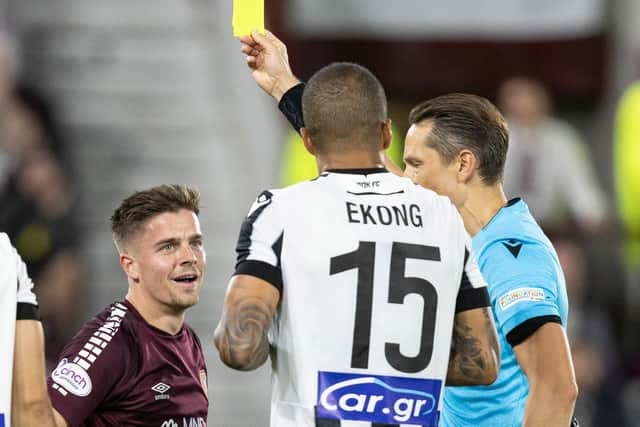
pixel 90 367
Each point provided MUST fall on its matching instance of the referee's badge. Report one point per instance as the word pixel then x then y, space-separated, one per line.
pixel 521 294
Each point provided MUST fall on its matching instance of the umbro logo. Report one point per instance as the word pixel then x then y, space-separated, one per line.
pixel 161 388
pixel 513 246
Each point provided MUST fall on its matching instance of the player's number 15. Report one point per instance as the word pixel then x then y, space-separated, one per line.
pixel 363 259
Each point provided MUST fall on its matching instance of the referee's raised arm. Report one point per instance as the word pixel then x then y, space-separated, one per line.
pixel 268 60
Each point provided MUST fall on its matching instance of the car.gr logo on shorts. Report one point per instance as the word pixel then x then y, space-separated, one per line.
pixel 72 377
pixel 378 399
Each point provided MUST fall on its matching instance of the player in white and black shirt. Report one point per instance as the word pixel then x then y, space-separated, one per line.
pixel 23 392
pixel 354 281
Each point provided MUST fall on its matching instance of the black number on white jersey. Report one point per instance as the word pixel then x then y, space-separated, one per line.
pixel 363 259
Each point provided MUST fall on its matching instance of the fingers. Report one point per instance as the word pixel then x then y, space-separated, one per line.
pixel 248 40
pixel 249 50
pixel 263 40
pixel 276 41
pixel 252 62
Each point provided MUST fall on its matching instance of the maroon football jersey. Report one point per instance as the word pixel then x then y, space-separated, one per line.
pixel 121 371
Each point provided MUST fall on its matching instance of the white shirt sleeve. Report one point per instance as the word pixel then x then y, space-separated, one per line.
pixel 25 284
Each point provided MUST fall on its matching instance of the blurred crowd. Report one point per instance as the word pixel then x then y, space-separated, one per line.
pixel 38 201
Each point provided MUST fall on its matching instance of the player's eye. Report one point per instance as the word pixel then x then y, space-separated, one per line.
pixel 167 247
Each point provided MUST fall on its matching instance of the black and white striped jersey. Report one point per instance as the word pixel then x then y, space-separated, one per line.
pixel 371 270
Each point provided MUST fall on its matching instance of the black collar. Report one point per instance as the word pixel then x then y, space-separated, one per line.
pixel 365 171
pixel 512 202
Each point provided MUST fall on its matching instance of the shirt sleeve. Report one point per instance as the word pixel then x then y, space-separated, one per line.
pixel 524 284
pixel 291 106
pixel 27 303
pixel 89 370
pixel 260 242
pixel 473 289
pixel 25 284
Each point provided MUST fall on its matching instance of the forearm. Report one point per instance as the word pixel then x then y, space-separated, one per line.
pixel 35 413
pixel 549 406
pixel 241 336
pixel 282 85
pixel 467 363
pixel 30 401
pixel 475 352
pixel 545 358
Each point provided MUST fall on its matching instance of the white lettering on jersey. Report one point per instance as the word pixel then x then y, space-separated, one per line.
pixel 186 422
pixel 521 294
pixel 380 399
pixel 73 378
pixel 94 347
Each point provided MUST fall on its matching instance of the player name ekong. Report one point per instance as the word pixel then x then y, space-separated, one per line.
pixel 400 215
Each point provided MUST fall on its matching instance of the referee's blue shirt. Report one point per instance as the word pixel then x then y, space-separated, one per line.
pixel 527 289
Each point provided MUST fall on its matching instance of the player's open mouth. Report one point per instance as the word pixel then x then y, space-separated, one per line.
pixel 186 279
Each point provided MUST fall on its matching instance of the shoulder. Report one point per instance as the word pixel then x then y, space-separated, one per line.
pixel 112 330
pixel 516 259
pixel 93 361
pixel 5 245
pixel 194 340
pixel 192 335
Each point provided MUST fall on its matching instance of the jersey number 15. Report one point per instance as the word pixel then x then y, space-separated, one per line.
pixel 363 259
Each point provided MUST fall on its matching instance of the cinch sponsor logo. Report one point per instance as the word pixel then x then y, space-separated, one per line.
pixel 185 422
pixel 378 399
pixel 521 294
pixel 72 377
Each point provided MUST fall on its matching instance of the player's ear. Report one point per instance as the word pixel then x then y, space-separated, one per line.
pixel 130 266
pixel 466 165
pixel 306 140
pixel 387 134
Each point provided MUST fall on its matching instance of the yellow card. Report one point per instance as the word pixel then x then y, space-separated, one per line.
pixel 247 16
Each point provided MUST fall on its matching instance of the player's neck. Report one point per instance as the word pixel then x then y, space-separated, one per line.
pixel 482 204
pixel 169 322
pixel 349 160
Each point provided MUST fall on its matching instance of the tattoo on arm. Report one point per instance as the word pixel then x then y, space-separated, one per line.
pixel 469 358
pixel 241 337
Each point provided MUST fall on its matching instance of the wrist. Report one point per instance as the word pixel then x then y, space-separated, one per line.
pixel 282 85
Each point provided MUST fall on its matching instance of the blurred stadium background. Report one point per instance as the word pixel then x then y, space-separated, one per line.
pixel 101 98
